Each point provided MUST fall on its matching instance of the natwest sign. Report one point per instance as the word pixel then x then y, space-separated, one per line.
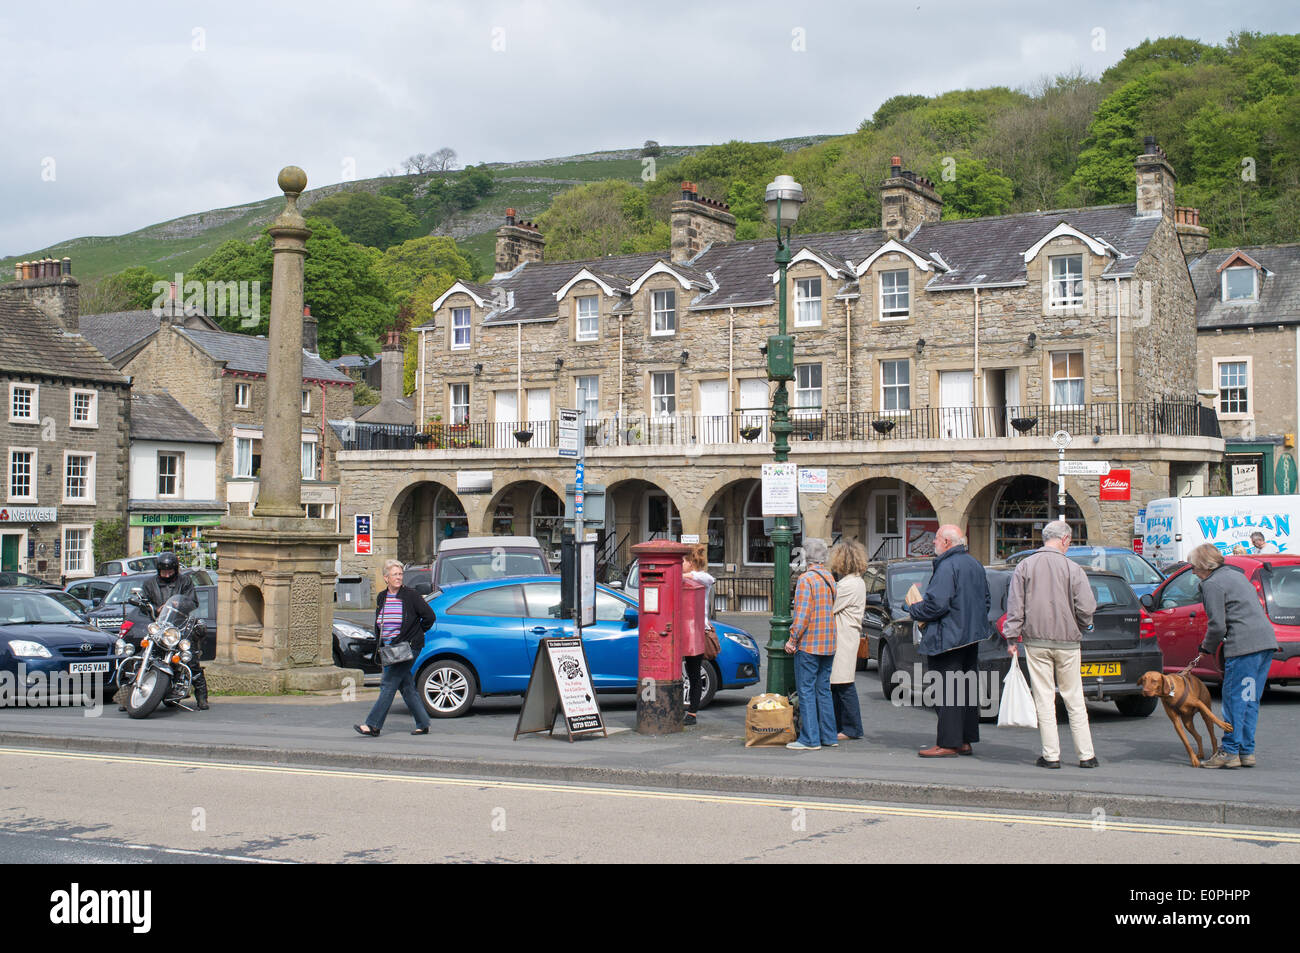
pixel 29 514
pixel 1115 485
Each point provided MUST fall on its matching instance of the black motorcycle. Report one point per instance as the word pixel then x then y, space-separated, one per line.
pixel 156 671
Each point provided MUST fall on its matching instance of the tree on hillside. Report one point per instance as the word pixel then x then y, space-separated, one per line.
pixel 129 290
pixel 651 149
pixel 444 160
pixel 892 107
pixel 601 218
pixel 340 284
pixel 974 191
pixel 368 219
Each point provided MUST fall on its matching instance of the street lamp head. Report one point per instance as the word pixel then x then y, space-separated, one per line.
pixel 686 356
pixel 920 345
pixel 783 198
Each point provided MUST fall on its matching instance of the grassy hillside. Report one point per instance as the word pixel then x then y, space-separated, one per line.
pixel 175 245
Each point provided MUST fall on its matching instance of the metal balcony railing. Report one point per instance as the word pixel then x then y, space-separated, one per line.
pixel 1139 418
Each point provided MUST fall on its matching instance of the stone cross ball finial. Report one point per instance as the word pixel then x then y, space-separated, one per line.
pixel 292 181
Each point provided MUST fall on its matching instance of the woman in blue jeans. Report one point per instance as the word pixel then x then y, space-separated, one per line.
pixel 400 616
pixel 1234 616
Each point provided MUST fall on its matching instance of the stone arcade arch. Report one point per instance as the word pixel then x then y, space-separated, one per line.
pixel 890 515
pixel 424 512
pixel 989 510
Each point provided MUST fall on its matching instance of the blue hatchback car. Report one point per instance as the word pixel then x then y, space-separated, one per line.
pixel 486 638
pixel 1138 571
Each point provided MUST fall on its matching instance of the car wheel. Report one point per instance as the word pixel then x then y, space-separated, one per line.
pixel 447 688
pixel 1136 706
pixel 711 682
pixel 886 670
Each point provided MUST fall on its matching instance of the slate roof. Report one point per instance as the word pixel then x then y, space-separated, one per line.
pixel 243 352
pixel 983 252
pixel 176 506
pixel 161 417
pixel 31 342
pixel 389 411
pixel 118 333
pixel 353 360
pixel 1279 290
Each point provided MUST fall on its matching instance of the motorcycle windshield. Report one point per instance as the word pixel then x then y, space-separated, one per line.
pixel 171 615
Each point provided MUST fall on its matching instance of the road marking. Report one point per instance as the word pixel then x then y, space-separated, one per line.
pixel 1036 820
pixel 99 842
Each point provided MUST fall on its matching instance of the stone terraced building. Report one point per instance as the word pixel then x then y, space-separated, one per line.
pixel 934 359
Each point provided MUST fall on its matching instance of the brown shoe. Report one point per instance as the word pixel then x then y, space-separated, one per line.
pixel 1247 760
pixel 1221 759
pixel 937 752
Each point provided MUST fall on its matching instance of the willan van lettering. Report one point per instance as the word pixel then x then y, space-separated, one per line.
pixel 76 906
pixel 1279 525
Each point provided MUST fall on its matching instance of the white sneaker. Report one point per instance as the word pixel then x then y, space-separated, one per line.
pixel 800 746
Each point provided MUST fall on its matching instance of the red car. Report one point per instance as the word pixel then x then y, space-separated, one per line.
pixel 1179 616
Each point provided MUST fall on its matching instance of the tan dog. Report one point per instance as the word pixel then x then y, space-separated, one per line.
pixel 1184 696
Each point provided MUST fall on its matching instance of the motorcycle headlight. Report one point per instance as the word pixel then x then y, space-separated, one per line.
pixel 123 647
pixel 185 645
pixel 171 637
pixel 185 657
pixel 154 628
pixel 24 649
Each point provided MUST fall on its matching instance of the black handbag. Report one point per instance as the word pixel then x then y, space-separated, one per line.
pixel 395 654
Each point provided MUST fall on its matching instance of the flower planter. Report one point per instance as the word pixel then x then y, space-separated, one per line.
pixel 882 427
pixel 523 436
pixel 750 433
pixel 1024 424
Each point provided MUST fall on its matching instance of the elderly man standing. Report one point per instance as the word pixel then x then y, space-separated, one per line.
pixel 955 610
pixel 1049 604
pixel 812 642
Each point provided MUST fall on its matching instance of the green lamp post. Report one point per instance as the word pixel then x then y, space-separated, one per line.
pixel 784 196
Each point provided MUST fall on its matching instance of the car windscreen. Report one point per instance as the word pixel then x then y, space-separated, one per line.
pixel 901 579
pixel 1111 593
pixel 1282 584
pixel 121 590
pixel 470 567
pixel 20 607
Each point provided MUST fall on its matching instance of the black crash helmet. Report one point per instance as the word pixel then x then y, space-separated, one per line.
pixel 168 561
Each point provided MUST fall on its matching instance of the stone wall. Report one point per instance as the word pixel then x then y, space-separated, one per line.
pixel 1270 352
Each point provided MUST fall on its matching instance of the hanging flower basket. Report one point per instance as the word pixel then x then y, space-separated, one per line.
pixel 523 436
pixel 882 427
pixel 750 433
pixel 1024 424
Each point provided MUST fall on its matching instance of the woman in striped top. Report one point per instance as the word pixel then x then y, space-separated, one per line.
pixel 400 616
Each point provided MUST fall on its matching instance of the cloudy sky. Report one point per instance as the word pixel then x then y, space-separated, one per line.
pixel 119 115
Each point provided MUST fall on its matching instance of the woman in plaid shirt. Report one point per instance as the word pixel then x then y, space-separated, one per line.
pixel 812 642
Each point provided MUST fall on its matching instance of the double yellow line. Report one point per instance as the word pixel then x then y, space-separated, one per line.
pixel 1104 824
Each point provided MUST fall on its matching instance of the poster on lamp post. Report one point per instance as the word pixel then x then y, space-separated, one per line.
pixel 780 489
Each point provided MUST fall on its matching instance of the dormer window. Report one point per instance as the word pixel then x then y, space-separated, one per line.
pixel 807 302
pixel 894 297
pixel 459 328
pixel 1067 281
pixel 663 312
pixel 1239 284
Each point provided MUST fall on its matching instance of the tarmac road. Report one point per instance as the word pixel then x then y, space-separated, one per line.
pixel 257 813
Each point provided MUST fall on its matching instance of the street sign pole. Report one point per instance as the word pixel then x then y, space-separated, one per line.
pixel 579 537
pixel 1062 440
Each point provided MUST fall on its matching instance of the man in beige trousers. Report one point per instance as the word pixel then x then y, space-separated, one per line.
pixel 1049 604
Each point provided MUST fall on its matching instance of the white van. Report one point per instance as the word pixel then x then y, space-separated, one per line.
pixel 1177 525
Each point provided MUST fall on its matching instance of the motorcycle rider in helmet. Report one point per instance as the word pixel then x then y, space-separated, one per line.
pixel 157 590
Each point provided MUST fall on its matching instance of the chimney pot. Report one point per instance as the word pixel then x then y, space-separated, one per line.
pixel 1149 144
pixel 66 265
pixel 306 311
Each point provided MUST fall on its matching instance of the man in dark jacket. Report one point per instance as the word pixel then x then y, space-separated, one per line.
pixel 157 589
pixel 955 611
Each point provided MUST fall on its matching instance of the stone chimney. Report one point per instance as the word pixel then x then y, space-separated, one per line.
pixel 1155 181
pixel 391 367
pixel 1192 235
pixel 907 200
pixel 517 242
pixel 48 284
pixel 698 223
pixel 308 330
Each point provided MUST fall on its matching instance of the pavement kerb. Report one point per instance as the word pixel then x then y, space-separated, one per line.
pixel 1001 799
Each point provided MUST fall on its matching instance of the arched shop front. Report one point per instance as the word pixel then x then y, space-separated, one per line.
pixel 1022 506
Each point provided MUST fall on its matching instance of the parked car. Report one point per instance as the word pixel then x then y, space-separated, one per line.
pixel 1178 613
pixel 472 558
pixel 41 635
pixel 124 567
pixel 113 614
pixel 69 602
pixel 1138 571
pixel 486 637
pixel 93 590
pixel 1120 648
pixel 17 580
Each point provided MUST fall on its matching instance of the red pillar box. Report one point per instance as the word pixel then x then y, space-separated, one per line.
pixel 660 623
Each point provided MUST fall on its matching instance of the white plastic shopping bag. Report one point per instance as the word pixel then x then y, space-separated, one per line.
pixel 1017 708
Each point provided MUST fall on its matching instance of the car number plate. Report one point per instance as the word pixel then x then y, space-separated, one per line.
pixel 1098 669
pixel 87 668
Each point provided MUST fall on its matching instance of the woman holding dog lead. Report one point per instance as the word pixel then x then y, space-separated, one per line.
pixel 1234 616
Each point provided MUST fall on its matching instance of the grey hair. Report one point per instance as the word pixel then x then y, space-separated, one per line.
pixel 389 564
pixel 815 550
pixel 1056 529
pixel 953 535
pixel 1205 557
